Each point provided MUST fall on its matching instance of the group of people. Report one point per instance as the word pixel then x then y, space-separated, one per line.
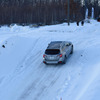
pixel 82 23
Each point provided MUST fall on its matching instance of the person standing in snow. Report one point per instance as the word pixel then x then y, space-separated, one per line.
pixel 82 22
pixel 77 23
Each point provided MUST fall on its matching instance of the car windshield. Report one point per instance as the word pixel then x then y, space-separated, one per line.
pixel 52 51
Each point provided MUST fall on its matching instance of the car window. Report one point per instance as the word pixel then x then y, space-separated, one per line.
pixel 63 47
pixel 52 51
pixel 68 44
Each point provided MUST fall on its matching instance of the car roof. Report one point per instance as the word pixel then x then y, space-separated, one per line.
pixel 56 44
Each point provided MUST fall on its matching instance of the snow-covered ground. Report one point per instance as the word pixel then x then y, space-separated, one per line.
pixel 23 76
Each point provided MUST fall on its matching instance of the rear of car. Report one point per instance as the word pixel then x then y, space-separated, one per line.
pixel 52 56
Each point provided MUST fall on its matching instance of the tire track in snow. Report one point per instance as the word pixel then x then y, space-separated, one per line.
pixel 43 83
pixel 23 65
pixel 37 94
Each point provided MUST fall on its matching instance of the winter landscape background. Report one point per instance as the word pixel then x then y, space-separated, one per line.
pixel 23 76
pixel 26 28
pixel 45 12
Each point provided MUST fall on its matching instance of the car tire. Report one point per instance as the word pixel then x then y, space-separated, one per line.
pixel 64 62
pixel 71 50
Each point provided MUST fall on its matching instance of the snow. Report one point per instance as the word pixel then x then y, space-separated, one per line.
pixel 23 76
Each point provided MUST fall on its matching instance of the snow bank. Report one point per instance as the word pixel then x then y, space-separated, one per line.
pixel 23 76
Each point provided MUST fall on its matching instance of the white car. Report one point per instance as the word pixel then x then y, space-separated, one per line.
pixel 57 52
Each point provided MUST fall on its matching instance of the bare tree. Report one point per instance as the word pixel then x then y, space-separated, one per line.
pixel 44 11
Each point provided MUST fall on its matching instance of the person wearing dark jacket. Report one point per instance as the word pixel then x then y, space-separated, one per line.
pixel 77 23
pixel 98 19
pixel 82 23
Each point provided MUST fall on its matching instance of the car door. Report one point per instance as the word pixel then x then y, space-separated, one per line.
pixel 63 49
pixel 68 48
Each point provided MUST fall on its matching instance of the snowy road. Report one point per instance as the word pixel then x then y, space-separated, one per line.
pixel 23 76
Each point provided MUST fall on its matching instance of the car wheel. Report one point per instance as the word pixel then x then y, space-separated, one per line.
pixel 71 50
pixel 64 62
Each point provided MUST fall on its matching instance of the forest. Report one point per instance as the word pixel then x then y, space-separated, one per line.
pixel 45 12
